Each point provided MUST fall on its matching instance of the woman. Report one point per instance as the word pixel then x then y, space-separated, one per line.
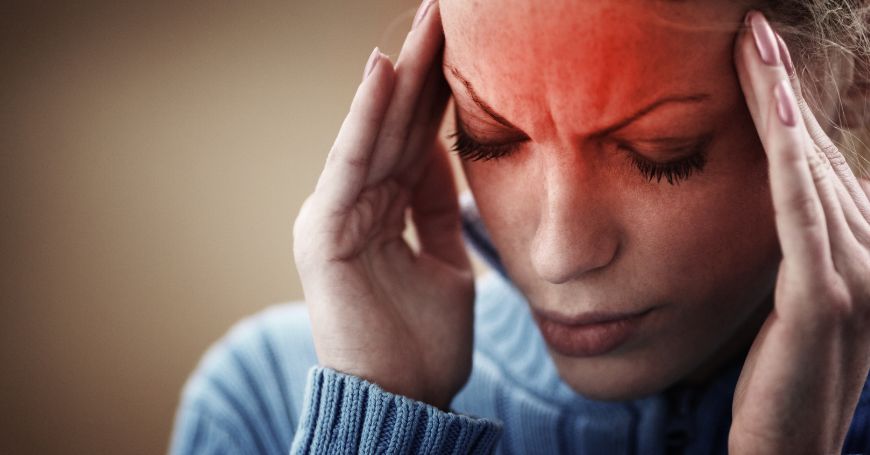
pixel 683 252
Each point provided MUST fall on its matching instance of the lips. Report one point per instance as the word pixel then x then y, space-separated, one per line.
pixel 588 334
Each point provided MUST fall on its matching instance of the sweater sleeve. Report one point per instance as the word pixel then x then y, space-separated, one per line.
pixel 347 414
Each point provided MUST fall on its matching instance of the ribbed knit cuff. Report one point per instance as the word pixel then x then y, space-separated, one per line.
pixel 346 414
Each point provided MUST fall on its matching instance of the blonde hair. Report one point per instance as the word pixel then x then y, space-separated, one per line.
pixel 821 33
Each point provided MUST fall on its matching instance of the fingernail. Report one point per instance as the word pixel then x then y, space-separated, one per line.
pixel 786 106
pixel 786 56
pixel 421 13
pixel 765 40
pixel 370 65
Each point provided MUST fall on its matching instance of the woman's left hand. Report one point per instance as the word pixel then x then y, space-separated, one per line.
pixel 803 376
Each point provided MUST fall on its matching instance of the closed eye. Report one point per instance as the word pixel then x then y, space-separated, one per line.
pixel 693 160
pixel 470 149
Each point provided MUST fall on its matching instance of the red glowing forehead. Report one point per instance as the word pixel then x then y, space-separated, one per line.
pixel 586 62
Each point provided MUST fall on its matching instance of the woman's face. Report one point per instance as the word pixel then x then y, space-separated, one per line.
pixel 587 103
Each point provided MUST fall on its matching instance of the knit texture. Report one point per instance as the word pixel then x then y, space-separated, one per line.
pixel 259 391
pixel 346 414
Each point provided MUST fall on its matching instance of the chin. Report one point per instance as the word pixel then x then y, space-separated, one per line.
pixel 604 391
pixel 601 384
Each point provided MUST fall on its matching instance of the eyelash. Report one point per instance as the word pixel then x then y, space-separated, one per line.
pixel 470 150
pixel 673 172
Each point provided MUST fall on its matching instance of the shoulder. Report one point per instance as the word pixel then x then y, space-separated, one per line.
pixel 248 389
pixel 249 386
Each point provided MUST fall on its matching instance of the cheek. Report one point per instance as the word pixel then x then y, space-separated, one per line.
pixel 505 191
pixel 714 235
pixel 706 239
pixel 508 198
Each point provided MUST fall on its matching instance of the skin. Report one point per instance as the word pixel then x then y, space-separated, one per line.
pixel 767 249
pixel 578 227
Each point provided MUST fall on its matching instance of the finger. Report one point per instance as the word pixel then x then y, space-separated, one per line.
pixel 841 239
pixel 856 221
pixel 347 164
pixel 800 217
pixel 435 209
pixel 394 215
pixel 424 126
pixel 760 67
pixel 849 201
pixel 840 166
pixel 764 65
pixel 418 54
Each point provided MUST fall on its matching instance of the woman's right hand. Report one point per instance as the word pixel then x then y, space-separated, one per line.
pixel 400 318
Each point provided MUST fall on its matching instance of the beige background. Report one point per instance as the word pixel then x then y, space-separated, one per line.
pixel 152 158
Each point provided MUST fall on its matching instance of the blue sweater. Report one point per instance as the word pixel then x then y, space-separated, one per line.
pixel 259 390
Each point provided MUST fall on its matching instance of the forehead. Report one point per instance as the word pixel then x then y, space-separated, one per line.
pixel 590 60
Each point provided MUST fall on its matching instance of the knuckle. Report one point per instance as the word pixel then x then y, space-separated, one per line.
pixel 831 153
pixel 357 161
pixel 836 159
pixel 806 211
pixel 847 306
pixel 824 144
pixel 839 298
pixel 831 299
pixel 819 167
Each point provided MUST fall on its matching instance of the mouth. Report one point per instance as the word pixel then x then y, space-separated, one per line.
pixel 587 334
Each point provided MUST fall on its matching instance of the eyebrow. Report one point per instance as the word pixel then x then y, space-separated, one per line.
pixel 692 98
pixel 477 100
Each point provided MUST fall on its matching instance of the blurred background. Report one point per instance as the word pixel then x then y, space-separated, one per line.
pixel 152 158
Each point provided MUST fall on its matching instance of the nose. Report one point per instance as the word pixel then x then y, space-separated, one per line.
pixel 576 233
